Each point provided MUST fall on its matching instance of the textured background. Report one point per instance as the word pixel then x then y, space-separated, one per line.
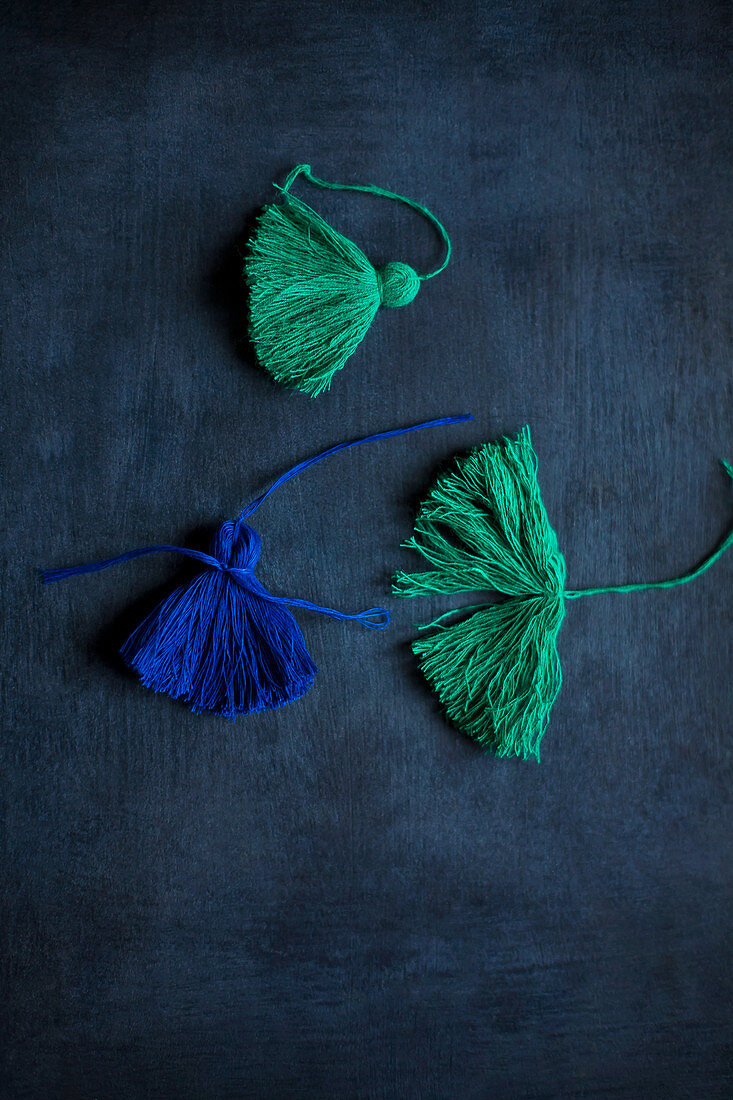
pixel 345 898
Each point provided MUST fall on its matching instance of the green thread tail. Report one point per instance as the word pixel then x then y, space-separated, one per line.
pixel 726 543
pixel 372 189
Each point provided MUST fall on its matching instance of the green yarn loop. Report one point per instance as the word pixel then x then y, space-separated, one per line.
pixel 372 189
pixel 313 294
pixel 483 526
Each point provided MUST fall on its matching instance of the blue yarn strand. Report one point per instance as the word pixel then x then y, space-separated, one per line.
pixel 375 618
pixel 308 462
pixel 48 576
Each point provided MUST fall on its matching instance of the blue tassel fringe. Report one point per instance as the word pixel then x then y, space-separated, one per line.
pixel 219 643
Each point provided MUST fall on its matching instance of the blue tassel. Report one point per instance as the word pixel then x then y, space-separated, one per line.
pixel 218 642
pixel 222 642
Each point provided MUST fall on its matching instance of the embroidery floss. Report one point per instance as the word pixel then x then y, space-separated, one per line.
pixel 221 641
pixel 312 292
pixel 484 526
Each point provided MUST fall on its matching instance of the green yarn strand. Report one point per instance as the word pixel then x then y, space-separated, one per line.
pixel 313 293
pixel 727 542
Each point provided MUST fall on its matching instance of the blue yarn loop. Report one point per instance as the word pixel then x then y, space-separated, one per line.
pixel 374 618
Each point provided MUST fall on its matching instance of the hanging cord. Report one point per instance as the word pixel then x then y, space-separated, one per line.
pixel 371 189
pixel 375 618
pixel 574 593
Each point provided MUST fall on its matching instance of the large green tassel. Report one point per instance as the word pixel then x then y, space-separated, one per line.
pixel 313 293
pixel 484 527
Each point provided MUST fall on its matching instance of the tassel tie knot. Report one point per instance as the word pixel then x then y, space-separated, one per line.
pixel 236 547
pixel 398 284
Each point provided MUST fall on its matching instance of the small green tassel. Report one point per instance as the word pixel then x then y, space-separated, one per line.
pixel 484 527
pixel 313 293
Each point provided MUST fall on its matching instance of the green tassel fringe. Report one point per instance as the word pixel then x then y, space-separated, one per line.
pixel 498 672
pixel 484 526
pixel 313 295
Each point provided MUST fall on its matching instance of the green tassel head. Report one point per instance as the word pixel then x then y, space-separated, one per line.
pixel 313 293
pixel 484 527
pixel 398 284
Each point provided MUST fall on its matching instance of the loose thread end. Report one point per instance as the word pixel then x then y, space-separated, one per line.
pixel 376 618
pixel 372 189
pixel 49 576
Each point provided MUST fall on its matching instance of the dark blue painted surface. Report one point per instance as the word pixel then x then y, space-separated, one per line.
pixel 344 898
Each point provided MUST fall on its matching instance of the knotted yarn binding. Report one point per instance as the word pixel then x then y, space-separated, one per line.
pixel 313 293
pixel 483 526
pixel 221 642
